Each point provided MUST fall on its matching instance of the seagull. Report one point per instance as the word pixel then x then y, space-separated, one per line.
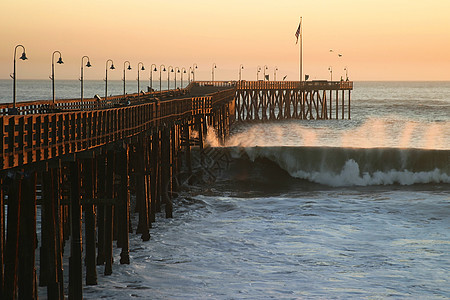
pixel 339 55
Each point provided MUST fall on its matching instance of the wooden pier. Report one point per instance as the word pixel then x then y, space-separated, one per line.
pixel 90 156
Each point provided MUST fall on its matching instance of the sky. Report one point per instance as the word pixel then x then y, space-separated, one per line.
pixel 378 40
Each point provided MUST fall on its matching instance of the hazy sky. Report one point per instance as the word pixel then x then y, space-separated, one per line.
pixel 378 40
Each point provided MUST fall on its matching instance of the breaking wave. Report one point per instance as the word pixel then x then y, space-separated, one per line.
pixel 353 166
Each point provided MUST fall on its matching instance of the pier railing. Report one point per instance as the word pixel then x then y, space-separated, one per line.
pixel 32 138
pixel 301 85
pixel 46 106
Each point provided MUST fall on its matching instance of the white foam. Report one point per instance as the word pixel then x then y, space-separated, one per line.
pixel 351 176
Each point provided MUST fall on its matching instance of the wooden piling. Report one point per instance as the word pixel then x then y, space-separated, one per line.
pixel 101 194
pixel 143 224
pixel 124 200
pixel 27 238
pixel 58 228
pixel 2 237
pixel 109 213
pixel 89 216
pixel 50 268
pixel 75 260
pixel 154 166
pixel 349 93
pixel 12 239
pixel 165 171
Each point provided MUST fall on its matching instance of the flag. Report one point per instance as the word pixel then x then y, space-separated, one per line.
pixel 297 33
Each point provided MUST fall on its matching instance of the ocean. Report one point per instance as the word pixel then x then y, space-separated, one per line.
pixel 307 209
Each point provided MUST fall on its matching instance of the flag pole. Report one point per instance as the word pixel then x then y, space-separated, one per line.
pixel 301 50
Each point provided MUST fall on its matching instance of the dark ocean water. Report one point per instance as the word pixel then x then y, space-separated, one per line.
pixel 337 209
pixel 347 209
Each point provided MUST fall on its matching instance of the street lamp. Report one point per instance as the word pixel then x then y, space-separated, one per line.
pixel 52 77
pixel 161 70
pixel 330 68
pixel 177 70
pixel 106 76
pixel 88 64
pixel 258 69
pixel 275 73
pixel 241 67
pixel 183 70
pixel 169 69
pixel 265 68
pixel 194 66
pixel 139 82
pixel 190 72
pixel 214 66
pixel 124 68
pixel 14 111
pixel 151 76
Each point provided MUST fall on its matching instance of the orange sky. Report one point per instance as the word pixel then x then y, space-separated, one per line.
pixel 378 40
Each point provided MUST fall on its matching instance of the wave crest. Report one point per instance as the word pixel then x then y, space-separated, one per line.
pixel 350 176
pixel 356 167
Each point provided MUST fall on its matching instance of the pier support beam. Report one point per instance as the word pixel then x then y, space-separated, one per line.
pixel 12 240
pixel 101 194
pixel 75 260
pixel 2 238
pixel 124 200
pixel 27 238
pixel 89 216
pixel 141 202
pixel 109 213
pixel 51 268
pixel 165 170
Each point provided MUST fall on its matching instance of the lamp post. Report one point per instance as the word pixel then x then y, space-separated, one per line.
pixel 169 69
pixel 106 76
pixel 265 68
pixel 214 66
pixel 258 69
pixel 52 77
pixel 275 73
pixel 138 80
pixel 190 72
pixel 346 73
pixel 161 70
pixel 124 68
pixel 88 64
pixel 194 66
pixel 177 70
pixel 330 68
pixel 151 76
pixel 241 67
pixel 14 111
pixel 183 70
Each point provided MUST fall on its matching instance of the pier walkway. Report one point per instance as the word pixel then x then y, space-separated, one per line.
pixel 79 162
